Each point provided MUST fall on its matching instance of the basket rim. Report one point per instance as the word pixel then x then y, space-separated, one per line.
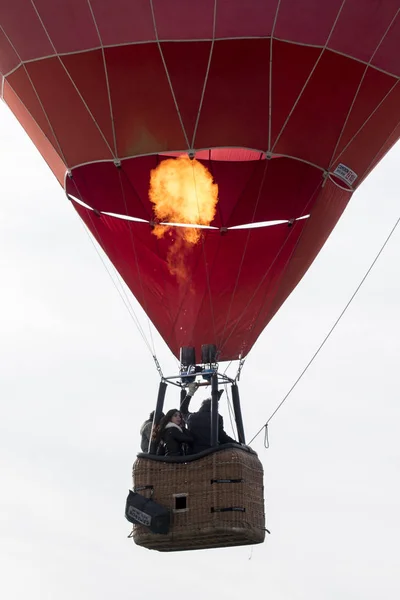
pixel 192 457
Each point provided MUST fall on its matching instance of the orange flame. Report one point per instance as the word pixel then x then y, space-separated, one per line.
pixel 182 191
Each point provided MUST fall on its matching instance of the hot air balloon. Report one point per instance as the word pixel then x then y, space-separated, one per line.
pixel 210 148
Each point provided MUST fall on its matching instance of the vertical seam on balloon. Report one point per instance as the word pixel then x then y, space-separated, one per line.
pixel 71 80
pixel 211 169
pixel 367 120
pixel 150 216
pixel 210 297
pixel 90 210
pixel 252 327
pixel 203 91
pixel 59 154
pixel 167 73
pixel 189 282
pixel 125 300
pixel 2 87
pixel 238 320
pixel 137 263
pixel 88 109
pixel 270 75
pixel 247 240
pixel 310 75
pixel 294 249
pixel 205 264
pixel 62 156
pixel 208 287
pixel 244 253
pixel 134 190
pixel 359 87
pixel 173 319
pixel 107 80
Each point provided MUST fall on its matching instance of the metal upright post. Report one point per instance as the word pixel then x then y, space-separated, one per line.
pixel 238 413
pixel 183 396
pixel 214 410
pixel 157 415
pixel 184 404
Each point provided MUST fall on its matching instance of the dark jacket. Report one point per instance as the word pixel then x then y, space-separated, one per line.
pixel 174 438
pixel 199 425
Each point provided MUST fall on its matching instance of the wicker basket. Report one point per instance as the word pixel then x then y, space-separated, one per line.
pixel 216 500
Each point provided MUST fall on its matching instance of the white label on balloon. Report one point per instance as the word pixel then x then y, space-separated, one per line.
pixel 345 173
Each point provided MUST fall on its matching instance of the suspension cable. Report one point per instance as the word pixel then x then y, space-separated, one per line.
pixel 230 409
pixel 265 426
pixel 240 367
pixel 125 300
pixel 120 289
pixel 228 366
pixel 136 261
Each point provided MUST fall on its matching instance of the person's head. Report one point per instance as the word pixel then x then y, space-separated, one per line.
pixel 206 404
pixel 151 415
pixel 172 416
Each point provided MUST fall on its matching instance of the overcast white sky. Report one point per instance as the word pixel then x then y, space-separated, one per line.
pixel 76 382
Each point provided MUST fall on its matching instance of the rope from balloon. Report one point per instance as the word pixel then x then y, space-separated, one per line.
pixel 265 426
pixel 119 170
pixel 121 290
pixel 150 345
pixel 158 366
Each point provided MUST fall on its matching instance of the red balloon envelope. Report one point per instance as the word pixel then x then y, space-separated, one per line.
pixel 289 104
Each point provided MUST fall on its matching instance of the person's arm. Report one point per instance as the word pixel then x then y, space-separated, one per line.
pixel 184 437
pixel 184 408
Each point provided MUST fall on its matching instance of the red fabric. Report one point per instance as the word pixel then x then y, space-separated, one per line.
pixel 230 285
pixel 117 81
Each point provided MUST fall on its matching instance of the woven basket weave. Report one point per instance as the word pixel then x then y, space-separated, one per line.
pixel 215 501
